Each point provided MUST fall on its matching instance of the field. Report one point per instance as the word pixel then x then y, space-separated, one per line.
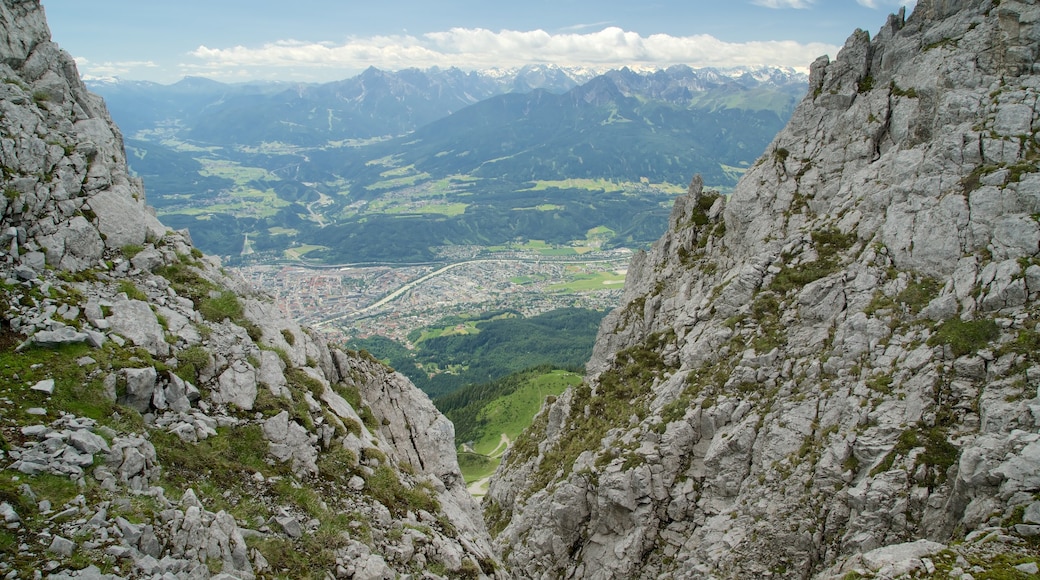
pixel 582 282
pixel 503 420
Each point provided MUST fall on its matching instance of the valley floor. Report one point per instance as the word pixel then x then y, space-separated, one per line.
pixel 391 301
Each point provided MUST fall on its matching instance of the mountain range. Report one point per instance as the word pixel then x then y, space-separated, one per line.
pixel 832 372
pixel 389 141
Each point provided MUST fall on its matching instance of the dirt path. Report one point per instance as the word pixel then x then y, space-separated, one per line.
pixel 503 446
pixel 479 488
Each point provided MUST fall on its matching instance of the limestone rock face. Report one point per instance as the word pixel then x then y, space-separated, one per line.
pixel 835 370
pixel 135 367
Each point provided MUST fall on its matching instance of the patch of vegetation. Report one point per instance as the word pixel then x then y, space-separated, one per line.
pixel 311 555
pixel 1015 172
pixel 941 43
pixel 384 486
pixel 525 448
pixel 225 305
pixel 938 454
pixel 965 336
pixel 187 281
pixel 190 362
pixel 918 293
pixel 984 564
pixel 881 383
pixel 132 291
pixel 221 460
pixel 699 216
pixel 622 391
pixel 131 250
pixel 765 311
pixel 900 92
pixel 483 412
pixel 504 342
pixel 353 396
pixel 495 517
pixel 829 244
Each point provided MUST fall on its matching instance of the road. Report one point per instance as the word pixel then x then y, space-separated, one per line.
pixel 418 281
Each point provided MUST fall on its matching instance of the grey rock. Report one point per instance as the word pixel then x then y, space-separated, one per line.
pixel 237 386
pixel 179 394
pixel 289 441
pixel 140 388
pixel 135 320
pixel 89 209
pixel 45 386
pixel 1032 513
pixel 75 245
pixel 123 219
pixel 921 190
pixel 290 525
pixel 8 513
pixel 1029 568
pixel 61 336
pixel 147 259
pixel 62 546
pixel 87 442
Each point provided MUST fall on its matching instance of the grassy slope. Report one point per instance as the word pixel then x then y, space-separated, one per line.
pixel 509 415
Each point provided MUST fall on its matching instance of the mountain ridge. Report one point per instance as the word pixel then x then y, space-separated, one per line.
pixel 159 417
pixel 831 373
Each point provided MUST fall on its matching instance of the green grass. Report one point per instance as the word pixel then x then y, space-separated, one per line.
pixel 589 184
pixel 475 466
pixel 511 414
pixel 396 182
pixel 226 305
pixel 298 252
pixel 132 291
pixel 591 282
pixel 965 337
pixel 234 171
pixel 468 327
pixel 74 391
pixel 542 207
pixel 445 209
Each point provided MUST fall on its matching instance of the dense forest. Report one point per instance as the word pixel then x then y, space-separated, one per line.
pixel 560 338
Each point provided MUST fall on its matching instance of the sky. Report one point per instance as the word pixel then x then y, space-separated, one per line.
pixel 326 40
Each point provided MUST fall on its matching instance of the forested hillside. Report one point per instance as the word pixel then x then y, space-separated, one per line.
pixel 501 343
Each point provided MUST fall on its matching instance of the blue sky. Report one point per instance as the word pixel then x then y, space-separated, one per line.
pixel 324 40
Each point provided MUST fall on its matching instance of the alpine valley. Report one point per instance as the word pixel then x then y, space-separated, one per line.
pixel 436 159
pixel 831 372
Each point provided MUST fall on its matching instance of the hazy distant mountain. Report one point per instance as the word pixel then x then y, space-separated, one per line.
pixel 375 103
pixel 623 125
pixel 347 165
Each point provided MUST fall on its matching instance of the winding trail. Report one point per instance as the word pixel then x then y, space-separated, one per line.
pixel 479 487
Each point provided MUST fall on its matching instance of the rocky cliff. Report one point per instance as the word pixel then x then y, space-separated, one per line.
pixel 834 372
pixel 158 418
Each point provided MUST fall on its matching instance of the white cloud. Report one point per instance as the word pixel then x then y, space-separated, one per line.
pixel 787 3
pixel 98 70
pixel 482 48
pixel 886 4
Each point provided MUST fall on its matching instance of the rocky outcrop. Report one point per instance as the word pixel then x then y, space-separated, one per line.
pixel 834 371
pixel 159 418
